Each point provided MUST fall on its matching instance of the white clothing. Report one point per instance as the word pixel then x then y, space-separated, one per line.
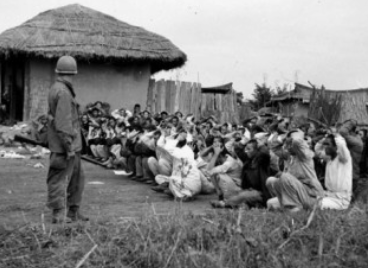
pixel 122 118
pixel 185 179
pixel 247 134
pixel 338 177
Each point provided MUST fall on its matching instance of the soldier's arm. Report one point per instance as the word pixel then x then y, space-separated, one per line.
pixel 63 120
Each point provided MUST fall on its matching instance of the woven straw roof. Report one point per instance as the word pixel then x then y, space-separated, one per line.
pixel 219 89
pixel 90 35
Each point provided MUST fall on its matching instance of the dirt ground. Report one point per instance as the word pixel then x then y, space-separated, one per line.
pixel 23 194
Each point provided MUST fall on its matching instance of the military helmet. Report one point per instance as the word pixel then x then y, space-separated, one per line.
pixel 66 65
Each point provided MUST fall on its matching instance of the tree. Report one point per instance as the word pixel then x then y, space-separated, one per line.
pixel 283 89
pixel 261 95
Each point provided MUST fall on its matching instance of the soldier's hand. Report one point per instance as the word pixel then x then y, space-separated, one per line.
pixel 70 155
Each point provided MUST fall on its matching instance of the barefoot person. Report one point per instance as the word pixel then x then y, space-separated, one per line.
pixel 65 179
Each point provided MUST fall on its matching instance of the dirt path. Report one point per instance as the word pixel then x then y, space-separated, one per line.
pixel 23 194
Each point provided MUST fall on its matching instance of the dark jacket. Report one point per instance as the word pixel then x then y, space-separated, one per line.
pixel 143 150
pixel 256 171
pixel 355 145
pixel 64 133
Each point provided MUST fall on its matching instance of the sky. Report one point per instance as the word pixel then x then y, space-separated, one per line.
pixel 243 41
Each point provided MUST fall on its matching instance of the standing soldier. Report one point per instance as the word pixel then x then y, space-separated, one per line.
pixel 65 179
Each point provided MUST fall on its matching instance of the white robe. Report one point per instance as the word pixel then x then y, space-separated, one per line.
pixel 338 177
pixel 185 179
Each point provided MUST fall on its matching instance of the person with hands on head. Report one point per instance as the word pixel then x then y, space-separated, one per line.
pixel 225 173
pixel 339 172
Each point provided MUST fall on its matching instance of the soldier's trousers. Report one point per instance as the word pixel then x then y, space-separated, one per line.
pixel 65 181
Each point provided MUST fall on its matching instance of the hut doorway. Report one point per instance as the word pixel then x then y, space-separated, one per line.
pixel 12 89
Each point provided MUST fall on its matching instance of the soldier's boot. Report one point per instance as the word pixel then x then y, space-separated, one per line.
pixel 58 216
pixel 75 215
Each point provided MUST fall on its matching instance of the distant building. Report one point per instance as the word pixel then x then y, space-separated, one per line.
pixel 333 105
pixel 115 59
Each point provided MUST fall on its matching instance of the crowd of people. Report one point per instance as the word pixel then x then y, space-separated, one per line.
pixel 264 162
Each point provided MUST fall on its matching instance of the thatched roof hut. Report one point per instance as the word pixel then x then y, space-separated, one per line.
pixel 104 47
pixel 88 34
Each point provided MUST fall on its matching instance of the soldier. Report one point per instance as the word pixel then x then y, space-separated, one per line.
pixel 65 179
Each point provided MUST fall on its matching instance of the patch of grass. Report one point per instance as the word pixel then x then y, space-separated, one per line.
pixel 220 238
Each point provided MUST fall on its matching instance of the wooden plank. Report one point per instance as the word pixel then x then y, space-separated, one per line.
pixel 211 104
pixel 159 86
pixel 203 105
pixel 163 86
pixel 193 98
pixel 199 104
pixel 185 103
pixel 216 102
pixel 168 102
pixel 154 98
pixel 182 95
pixel 171 96
pixel 190 100
pixel 177 97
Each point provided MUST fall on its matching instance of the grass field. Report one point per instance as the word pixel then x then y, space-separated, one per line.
pixel 132 226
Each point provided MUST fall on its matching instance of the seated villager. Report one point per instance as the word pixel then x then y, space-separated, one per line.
pixel 297 187
pixel 184 182
pixel 206 132
pixel 225 173
pixel 162 164
pixel 123 152
pixel 355 145
pixel 199 146
pixel 150 154
pixel 164 115
pixel 84 121
pixel 101 147
pixel 102 108
pixel 94 132
pixel 204 158
pixel 255 172
pixel 175 122
pixel 144 149
pixel 137 110
pixel 41 128
pixel 133 137
pixel 179 115
pixel 339 170
pixel 145 119
pixel 223 130
pixel 112 141
pixel 122 115
pixel 363 133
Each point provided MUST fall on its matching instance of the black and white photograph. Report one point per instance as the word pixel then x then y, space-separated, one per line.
pixel 167 133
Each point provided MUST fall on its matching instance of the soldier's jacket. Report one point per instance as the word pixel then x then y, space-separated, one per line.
pixel 64 133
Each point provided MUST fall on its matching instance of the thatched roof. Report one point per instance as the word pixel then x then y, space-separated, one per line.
pixel 89 35
pixel 218 89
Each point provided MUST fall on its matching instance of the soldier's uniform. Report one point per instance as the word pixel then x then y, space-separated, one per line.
pixel 65 179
